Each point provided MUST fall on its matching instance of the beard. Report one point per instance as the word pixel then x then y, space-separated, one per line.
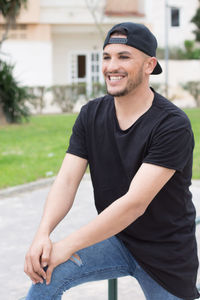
pixel 131 86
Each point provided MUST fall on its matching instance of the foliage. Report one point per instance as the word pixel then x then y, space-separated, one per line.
pixel 160 53
pixel 12 96
pixel 38 99
pixel 98 89
pixel 189 51
pixel 158 87
pixel 194 88
pixel 196 21
pixel 10 10
pixel 65 96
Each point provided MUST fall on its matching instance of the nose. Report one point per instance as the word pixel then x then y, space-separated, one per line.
pixel 111 65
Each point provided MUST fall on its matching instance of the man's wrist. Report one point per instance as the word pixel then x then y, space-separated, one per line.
pixel 43 231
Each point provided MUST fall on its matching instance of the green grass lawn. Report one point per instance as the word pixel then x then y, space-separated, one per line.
pixel 33 150
pixel 194 116
pixel 36 149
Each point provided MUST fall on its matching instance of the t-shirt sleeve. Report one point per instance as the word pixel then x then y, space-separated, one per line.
pixel 172 144
pixel 77 143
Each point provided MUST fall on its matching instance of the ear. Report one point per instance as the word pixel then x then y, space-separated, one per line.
pixel 150 65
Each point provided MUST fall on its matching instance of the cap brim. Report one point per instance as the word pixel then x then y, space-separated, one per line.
pixel 157 69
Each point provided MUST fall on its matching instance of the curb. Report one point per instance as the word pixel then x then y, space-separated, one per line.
pixel 31 186
pixel 46 182
pixel 26 187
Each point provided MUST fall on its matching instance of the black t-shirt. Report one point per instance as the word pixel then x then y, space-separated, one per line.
pixel 162 240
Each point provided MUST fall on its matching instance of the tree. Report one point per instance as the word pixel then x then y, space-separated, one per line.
pixel 97 13
pixel 196 21
pixel 10 9
pixel 12 96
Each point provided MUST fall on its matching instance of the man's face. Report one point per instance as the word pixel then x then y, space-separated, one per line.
pixel 122 68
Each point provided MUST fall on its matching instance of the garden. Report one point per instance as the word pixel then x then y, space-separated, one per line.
pixel 35 149
pixel 32 146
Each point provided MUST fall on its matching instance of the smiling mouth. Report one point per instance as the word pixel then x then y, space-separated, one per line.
pixel 115 77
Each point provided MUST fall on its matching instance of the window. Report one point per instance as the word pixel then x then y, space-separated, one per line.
pixel 175 17
pixel 95 69
pixel 81 66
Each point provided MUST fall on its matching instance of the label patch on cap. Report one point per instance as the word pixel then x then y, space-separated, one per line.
pixel 116 40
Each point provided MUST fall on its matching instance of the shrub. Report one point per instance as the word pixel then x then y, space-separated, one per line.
pixel 66 95
pixel 12 96
pixel 194 89
pixel 98 89
pixel 196 21
pixel 189 51
pixel 38 99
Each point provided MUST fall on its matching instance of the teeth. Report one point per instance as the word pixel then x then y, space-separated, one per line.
pixel 116 77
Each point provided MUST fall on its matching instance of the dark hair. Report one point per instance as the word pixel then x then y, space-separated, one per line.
pixel 119 30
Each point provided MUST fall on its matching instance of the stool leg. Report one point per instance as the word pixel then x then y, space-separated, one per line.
pixel 112 289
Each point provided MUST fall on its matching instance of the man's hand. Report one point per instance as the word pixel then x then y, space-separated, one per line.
pixel 58 204
pixel 37 258
pixel 60 253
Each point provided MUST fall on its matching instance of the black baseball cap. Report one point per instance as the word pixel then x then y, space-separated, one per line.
pixel 137 36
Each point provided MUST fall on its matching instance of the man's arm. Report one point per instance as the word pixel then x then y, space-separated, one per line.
pixel 62 193
pixel 58 204
pixel 145 185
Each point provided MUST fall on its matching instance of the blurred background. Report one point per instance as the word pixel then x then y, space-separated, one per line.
pixel 57 46
pixel 50 65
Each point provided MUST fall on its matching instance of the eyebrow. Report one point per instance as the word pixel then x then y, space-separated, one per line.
pixel 119 53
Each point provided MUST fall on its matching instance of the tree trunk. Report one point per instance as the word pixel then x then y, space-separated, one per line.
pixel 3 120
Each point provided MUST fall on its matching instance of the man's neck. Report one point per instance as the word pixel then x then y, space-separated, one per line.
pixel 130 107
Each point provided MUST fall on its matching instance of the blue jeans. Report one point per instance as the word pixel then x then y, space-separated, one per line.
pixel 105 260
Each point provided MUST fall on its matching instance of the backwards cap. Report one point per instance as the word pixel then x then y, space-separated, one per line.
pixel 137 36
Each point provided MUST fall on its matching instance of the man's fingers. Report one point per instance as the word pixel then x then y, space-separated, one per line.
pixel 37 267
pixel 45 256
pixel 49 273
pixel 28 269
pixel 34 268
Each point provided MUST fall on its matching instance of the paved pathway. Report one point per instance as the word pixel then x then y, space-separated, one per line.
pixel 20 213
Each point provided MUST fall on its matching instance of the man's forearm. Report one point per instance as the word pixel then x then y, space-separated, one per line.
pixel 58 204
pixel 124 210
pixel 111 221
pixel 62 193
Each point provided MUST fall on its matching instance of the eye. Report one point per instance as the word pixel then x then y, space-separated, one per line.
pixel 124 57
pixel 106 57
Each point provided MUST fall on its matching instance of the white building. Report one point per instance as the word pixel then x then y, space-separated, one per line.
pixel 60 42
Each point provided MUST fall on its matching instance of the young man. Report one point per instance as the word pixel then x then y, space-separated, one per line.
pixel 139 148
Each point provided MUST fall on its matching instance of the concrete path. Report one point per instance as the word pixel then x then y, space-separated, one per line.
pixel 20 212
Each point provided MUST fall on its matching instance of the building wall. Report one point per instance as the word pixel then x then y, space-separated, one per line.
pixel 155 11
pixel 28 32
pixel 64 44
pixel 67 12
pixel 180 71
pixel 54 29
pixel 32 60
